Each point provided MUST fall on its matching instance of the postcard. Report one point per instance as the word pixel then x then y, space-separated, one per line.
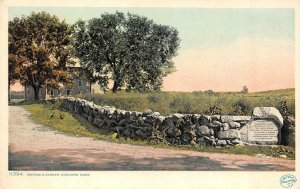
pixel 149 94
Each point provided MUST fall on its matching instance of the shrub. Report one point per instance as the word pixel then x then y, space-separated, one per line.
pixel 241 106
pixel 153 99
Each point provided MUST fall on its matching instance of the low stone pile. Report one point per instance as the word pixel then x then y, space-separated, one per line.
pixel 180 129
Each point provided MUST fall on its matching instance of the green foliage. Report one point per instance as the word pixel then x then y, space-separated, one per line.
pixel 232 103
pixel 180 104
pixel 153 99
pixel 39 49
pixel 129 49
pixel 242 107
pixel 245 89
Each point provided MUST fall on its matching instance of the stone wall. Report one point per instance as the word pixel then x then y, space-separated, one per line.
pixel 181 129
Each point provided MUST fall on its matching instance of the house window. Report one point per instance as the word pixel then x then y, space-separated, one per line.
pixel 58 91
pixel 51 92
pixel 79 83
pixel 68 92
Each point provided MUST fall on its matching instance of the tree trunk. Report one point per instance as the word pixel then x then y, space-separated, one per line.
pixel 36 93
pixel 117 83
pixel 9 99
pixel 115 87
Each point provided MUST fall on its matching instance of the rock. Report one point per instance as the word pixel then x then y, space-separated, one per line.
pixel 139 132
pixel 217 123
pixel 98 122
pixel 210 141
pixel 203 131
pixel 234 125
pixel 194 119
pixel 186 139
pixel 212 132
pixel 200 139
pixel 225 126
pixel 147 112
pixel 138 114
pixel 155 114
pixel 213 125
pixel 203 120
pixel 282 156
pixel 243 123
pixel 109 110
pixel 228 118
pixel 230 134
pixel 118 111
pixel 207 138
pixel 133 136
pixel 215 117
pixel 214 143
pixel 178 116
pixel 193 134
pixel 126 132
pixel 221 143
pixel 167 122
pixel 160 118
pixel 268 113
pixel 229 142
pixel 150 119
pixel 236 141
pixel 173 132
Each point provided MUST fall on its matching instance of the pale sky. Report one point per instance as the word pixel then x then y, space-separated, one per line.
pixel 221 49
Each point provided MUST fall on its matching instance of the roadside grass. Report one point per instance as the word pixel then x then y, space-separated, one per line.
pixel 232 103
pixel 41 114
pixel 77 126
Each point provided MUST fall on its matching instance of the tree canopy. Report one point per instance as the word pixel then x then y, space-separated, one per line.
pixel 131 50
pixel 39 51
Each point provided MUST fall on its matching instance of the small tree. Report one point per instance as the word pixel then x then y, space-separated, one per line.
pixel 245 89
pixel 39 50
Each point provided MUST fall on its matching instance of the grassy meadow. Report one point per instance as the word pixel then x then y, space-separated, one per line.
pixel 233 103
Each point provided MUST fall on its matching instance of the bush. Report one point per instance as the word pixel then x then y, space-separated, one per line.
pixel 241 107
pixel 153 99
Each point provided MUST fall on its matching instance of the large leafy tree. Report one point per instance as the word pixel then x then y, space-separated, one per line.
pixel 39 51
pixel 131 50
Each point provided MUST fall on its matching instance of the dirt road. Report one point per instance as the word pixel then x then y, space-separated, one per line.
pixel 36 147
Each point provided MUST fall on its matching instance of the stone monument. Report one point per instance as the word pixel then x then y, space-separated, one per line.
pixel 264 128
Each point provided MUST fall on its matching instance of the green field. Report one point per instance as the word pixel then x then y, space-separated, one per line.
pixel 196 102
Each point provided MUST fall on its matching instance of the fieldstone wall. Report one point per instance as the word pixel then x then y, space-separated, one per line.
pixel 180 129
